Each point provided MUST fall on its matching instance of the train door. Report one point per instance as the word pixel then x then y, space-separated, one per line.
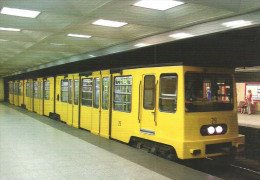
pixel 48 103
pixel 148 89
pixel 86 102
pixel 62 97
pixel 40 94
pixel 75 118
pixel 105 104
pixel 35 96
pixel 70 100
pixel 16 97
pixel 20 93
pixel 95 119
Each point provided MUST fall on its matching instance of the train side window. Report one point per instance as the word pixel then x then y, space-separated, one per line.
pixel 20 89
pixel 35 90
pixel 47 90
pixel 64 90
pixel 27 89
pixel 41 90
pixel 76 91
pixel 105 93
pixel 15 89
pixel 11 88
pixel 123 93
pixel 168 93
pixel 86 99
pixel 31 89
pixel 149 92
pixel 96 93
pixel 70 92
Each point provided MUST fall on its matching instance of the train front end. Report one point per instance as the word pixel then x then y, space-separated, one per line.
pixel 210 114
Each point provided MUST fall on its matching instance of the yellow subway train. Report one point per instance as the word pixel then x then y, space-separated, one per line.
pixel 180 111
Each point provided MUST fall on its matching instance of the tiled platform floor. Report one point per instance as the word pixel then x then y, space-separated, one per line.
pixel 36 147
pixel 252 120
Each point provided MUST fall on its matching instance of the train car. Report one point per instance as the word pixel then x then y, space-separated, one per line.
pixel 20 93
pixel 180 111
pixel 16 96
pixel 11 92
pixel 48 93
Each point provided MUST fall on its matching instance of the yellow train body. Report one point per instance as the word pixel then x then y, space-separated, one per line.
pixel 144 103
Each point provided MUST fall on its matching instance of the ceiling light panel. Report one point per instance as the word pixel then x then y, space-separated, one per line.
pixel 161 5
pixel 3 40
pixel 181 35
pixel 142 45
pixel 79 35
pixel 109 23
pixel 20 12
pixel 237 23
pixel 9 29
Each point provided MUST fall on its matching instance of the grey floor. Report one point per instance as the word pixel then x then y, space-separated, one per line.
pixel 36 147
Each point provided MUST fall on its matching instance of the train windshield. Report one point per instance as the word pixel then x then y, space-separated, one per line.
pixel 208 92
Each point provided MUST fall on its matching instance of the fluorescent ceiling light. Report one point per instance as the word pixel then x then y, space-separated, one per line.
pixel 103 22
pixel 79 35
pixel 9 29
pixel 20 12
pixel 161 5
pixel 142 45
pixel 181 35
pixel 3 40
pixel 92 55
pixel 237 24
pixel 56 44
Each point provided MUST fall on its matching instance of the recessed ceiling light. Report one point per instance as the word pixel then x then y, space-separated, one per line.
pixel 79 35
pixel 181 35
pixel 142 45
pixel 237 24
pixel 56 44
pixel 20 12
pixel 103 22
pixel 92 55
pixel 3 40
pixel 158 4
pixel 9 29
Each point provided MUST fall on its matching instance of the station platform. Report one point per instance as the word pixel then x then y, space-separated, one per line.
pixel 36 147
pixel 252 121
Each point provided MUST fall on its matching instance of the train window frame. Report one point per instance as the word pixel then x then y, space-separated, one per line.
pixel 19 89
pixel 70 91
pixel 61 99
pixel 96 101
pixel 88 105
pixel 160 88
pixel 46 96
pixel 114 84
pixel 106 100
pixel 27 89
pixel 153 93
pixel 76 89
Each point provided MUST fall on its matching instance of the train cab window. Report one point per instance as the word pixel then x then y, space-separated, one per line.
pixel 64 90
pixel 86 99
pixel 123 93
pixel 105 93
pixel 96 93
pixel 27 89
pixel 70 92
pixel 35 92
pixel 76 91
pixel 47 90
pixel 149 92
pixel 20 89
pixel 168 93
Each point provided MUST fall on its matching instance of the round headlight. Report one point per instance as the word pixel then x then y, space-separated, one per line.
pixel 211 130
pixel 219 129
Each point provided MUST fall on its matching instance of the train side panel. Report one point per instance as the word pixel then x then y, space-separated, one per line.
pixel 48 96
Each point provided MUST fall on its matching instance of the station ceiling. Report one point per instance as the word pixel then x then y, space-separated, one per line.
pixel 43 41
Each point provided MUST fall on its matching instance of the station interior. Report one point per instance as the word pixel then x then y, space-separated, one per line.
pixel 41 39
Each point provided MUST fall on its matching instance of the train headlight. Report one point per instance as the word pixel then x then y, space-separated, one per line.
pixel 211 130
pixel 219 129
